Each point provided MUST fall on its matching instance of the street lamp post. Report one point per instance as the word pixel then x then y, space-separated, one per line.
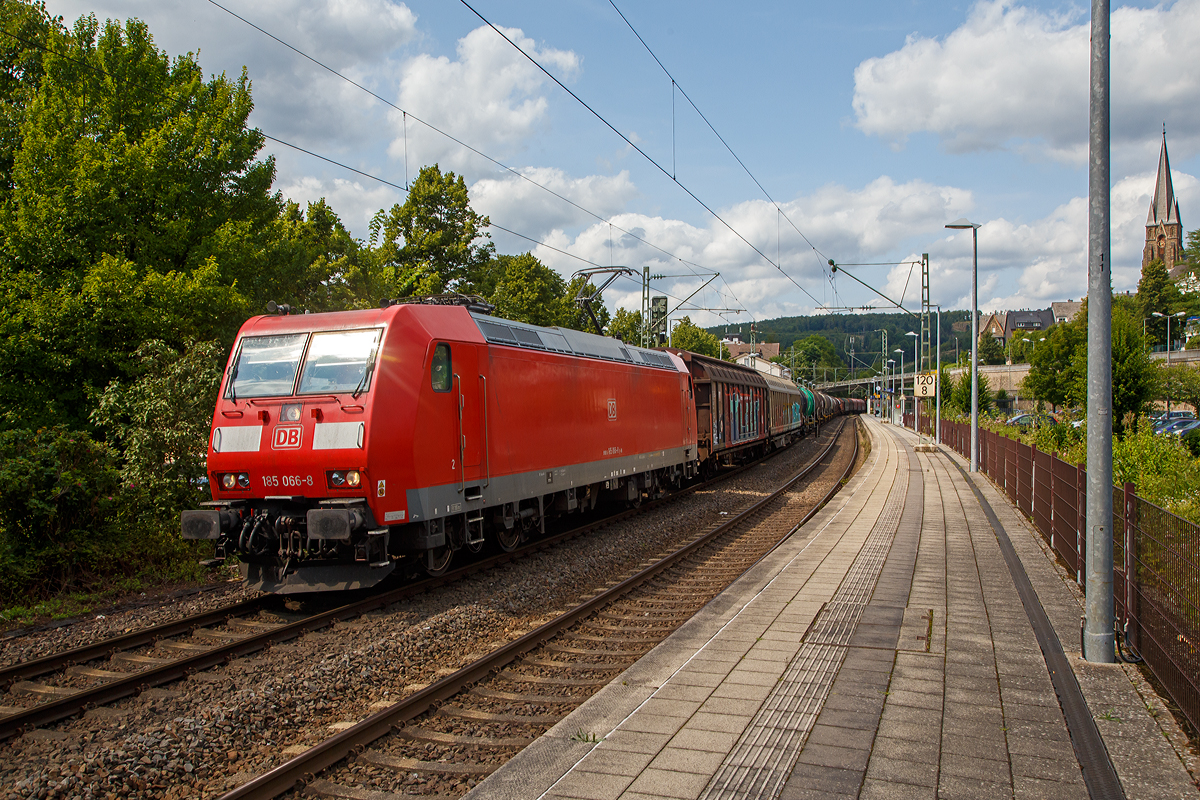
pixel 916 368
pixel 963 224
pixel 1168 316
pixel 901 352
pixel 891 403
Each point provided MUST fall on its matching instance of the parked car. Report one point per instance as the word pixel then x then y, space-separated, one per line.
pixel 1170 426
pixel 1025 421
pixel 1184 427
pixel 1172 416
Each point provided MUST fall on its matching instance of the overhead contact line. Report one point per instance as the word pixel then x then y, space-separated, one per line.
pixel 408 114
pixel 640 151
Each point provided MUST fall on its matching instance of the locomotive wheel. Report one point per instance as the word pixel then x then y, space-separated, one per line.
pixel 508 538
pixel 437 560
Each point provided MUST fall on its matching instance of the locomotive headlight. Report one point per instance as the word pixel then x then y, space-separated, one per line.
pixel 235 480
pixel 290 413
pixel 344 479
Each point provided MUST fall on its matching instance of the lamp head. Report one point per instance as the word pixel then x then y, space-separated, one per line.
pixel 962 223
pixel 1156 314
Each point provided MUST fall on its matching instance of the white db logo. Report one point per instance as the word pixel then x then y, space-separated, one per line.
pixel 287 438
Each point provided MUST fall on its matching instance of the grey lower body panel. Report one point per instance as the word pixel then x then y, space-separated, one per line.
pixel 449 499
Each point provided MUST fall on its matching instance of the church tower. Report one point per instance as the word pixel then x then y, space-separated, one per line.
pixel 1164 232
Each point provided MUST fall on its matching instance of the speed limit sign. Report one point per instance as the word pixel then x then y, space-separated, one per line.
pixel 926 384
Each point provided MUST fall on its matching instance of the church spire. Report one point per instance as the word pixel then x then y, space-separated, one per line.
pixel 1164 209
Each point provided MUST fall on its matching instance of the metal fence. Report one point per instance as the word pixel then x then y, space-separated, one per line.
pixel 1156 554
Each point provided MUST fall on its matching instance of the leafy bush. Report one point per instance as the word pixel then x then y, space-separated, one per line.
pixel 1161 467
pixel 59 490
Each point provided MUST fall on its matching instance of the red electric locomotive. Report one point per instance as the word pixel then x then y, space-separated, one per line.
pixel 342 442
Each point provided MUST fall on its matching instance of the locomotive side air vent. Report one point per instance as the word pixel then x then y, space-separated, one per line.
pixel 528 338
pixel 496 332
pixel 555 341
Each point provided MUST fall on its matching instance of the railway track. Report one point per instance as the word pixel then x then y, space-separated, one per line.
pixel 441 740
pixel 57 687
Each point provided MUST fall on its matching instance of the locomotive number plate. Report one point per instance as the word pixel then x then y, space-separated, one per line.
pixel 287 480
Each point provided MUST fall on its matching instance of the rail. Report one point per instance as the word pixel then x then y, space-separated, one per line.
pixel 134 683
pixel 300 770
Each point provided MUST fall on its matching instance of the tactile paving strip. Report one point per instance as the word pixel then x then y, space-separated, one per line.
pixel 763 757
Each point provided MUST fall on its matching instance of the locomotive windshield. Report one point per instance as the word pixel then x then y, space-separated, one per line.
pixel 336 362
pixel 266 366
pixel 339 361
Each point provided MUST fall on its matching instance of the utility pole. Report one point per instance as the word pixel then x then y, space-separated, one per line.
pixel 925 306
pixel 1098 638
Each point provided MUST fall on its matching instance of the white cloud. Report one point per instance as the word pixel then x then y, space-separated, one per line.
pixel 1031 265
pixel 521 205
pixel 489 97
pixel 1014 77
pixel 854 225
pixel 294 98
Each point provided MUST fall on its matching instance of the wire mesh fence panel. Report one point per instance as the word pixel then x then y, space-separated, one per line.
pixel 1041 493
pixel 1010 469
pixel 1118 529
pixel 1065 511
pixel 1023 466
pixel 1166 595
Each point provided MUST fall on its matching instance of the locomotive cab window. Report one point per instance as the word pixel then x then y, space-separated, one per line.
pixel 440 372
pixel 340 361
pixel 266 366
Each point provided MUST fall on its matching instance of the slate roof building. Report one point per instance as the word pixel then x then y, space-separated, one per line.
pixel 1038 320
pixel 1065 312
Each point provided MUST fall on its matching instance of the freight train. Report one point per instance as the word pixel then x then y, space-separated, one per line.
pixel 346 443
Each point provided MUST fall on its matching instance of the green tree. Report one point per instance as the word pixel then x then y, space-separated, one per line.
pixel 1134 375
pixel 1058 372
pixel 686 336
pixel 812 355
pixel 432 243
pixel 626 326
pixel 1179 383
pixel 1054 366
pixel 1156 293
pixel 59 490
pixel 990 350
pixel 528 290
pixel 24 29
pixel 127 153
pixel 160 421
pixel 60 346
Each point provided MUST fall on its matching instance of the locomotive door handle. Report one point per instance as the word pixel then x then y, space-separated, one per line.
pixel 462 439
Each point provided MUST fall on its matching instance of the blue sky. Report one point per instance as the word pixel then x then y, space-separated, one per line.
pixel 872 124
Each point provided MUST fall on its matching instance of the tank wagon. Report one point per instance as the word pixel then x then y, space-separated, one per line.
pixel 343 443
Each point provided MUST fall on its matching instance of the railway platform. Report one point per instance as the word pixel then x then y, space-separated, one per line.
pixel 912 640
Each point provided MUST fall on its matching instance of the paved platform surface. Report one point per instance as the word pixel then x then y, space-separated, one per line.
pixel 882 652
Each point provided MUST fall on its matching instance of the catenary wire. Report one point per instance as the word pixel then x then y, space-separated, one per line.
pixel 312 154
pixel 675 85
pixel 640 151
pixel 458 141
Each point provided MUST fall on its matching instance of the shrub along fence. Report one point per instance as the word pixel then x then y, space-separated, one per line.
pixel 1156 554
